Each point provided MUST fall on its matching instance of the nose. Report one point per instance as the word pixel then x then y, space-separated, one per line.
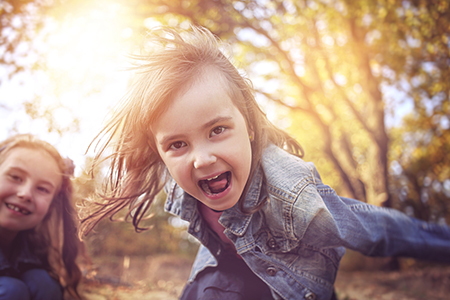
pixel 24 192
pixel 203 157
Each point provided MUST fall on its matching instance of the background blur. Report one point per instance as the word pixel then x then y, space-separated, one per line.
pixel 362 84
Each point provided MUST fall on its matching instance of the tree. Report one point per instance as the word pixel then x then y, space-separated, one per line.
pixel 334 65
pixel 18 22
pixel 23 35
pixel 166 235
pixel 338 72
pixel 316 56
pixel 420 168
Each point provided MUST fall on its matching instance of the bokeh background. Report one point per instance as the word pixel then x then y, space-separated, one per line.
pixel 362 84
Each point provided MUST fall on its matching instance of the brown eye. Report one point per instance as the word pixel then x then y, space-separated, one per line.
pixel 177 145
pixel 218 130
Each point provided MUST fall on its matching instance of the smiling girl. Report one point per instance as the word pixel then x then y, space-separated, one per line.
pixel 269 228
pixel 35 214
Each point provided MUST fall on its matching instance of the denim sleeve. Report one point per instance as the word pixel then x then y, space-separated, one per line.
pixel 373 230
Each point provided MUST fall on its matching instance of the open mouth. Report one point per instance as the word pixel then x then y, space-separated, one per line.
pixel 18 209
pixel 216 185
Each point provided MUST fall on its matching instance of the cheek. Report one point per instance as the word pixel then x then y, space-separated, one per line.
pixel 6 188
pixel 177 169
pixel 245 151
pixel 44 207
pixel 180 172
pixel 245 159
pixel 172 163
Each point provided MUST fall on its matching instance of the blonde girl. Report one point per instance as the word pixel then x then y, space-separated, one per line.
pixel 269 228
pixel 38 242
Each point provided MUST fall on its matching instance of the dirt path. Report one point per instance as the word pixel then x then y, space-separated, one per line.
pixel 159 277
pixel 429 284
pixel 163 277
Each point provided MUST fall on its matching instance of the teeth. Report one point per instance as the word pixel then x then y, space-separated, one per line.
pixel 215 177
pixel 15 208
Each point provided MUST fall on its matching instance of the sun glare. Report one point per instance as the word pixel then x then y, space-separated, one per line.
pixel 86 46
pixel 85 67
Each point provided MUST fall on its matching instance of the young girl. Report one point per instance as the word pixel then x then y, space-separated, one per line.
pixel 269 228
pixel 38 242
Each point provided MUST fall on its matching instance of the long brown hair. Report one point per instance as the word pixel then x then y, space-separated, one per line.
pixel 174 59
pixel 55 239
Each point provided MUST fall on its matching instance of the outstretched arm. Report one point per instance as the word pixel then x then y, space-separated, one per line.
pixel 373 230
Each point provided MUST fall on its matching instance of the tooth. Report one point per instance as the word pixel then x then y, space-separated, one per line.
pixel 16 208
pixel 215 177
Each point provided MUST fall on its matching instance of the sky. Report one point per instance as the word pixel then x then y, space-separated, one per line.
pixel 84 75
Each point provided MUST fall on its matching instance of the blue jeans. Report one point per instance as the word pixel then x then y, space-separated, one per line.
pixel 35 284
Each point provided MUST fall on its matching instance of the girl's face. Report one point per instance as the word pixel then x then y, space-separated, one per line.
pixel 204 142
pixel 29 179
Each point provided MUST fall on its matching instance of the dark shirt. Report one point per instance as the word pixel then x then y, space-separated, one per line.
pixel 20 260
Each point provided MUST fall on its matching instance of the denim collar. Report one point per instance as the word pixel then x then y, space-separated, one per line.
pixel 236 221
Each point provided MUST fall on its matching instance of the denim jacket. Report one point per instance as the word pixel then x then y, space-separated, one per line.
pixel 295 242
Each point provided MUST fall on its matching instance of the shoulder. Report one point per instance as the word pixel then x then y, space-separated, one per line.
pixel 287 173
pixel 294 199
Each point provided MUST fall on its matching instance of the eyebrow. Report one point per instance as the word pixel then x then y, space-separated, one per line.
pixel 216 120
pixel 206 125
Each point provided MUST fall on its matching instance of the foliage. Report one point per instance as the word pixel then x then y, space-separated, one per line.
pixel 337 74
pixel 18 22
pixel 119 238
pixel 420 168
pixel 166 235
pixel 23 38
pixel 309 57
pixel 344 70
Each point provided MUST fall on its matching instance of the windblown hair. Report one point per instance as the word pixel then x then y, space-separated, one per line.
pixel 55 239
pixel 175 59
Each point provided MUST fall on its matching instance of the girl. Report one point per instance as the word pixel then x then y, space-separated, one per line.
pixel 269 228
pixel 38 242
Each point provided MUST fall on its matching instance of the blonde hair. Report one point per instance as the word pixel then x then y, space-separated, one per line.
pixel 176 58
pixel 54 240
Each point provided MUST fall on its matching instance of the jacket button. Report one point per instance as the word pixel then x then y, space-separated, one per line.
pixel 310 296
pixel 271 243
pixel 271 271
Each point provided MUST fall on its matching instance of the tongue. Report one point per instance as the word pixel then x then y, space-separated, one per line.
pixel 218 185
